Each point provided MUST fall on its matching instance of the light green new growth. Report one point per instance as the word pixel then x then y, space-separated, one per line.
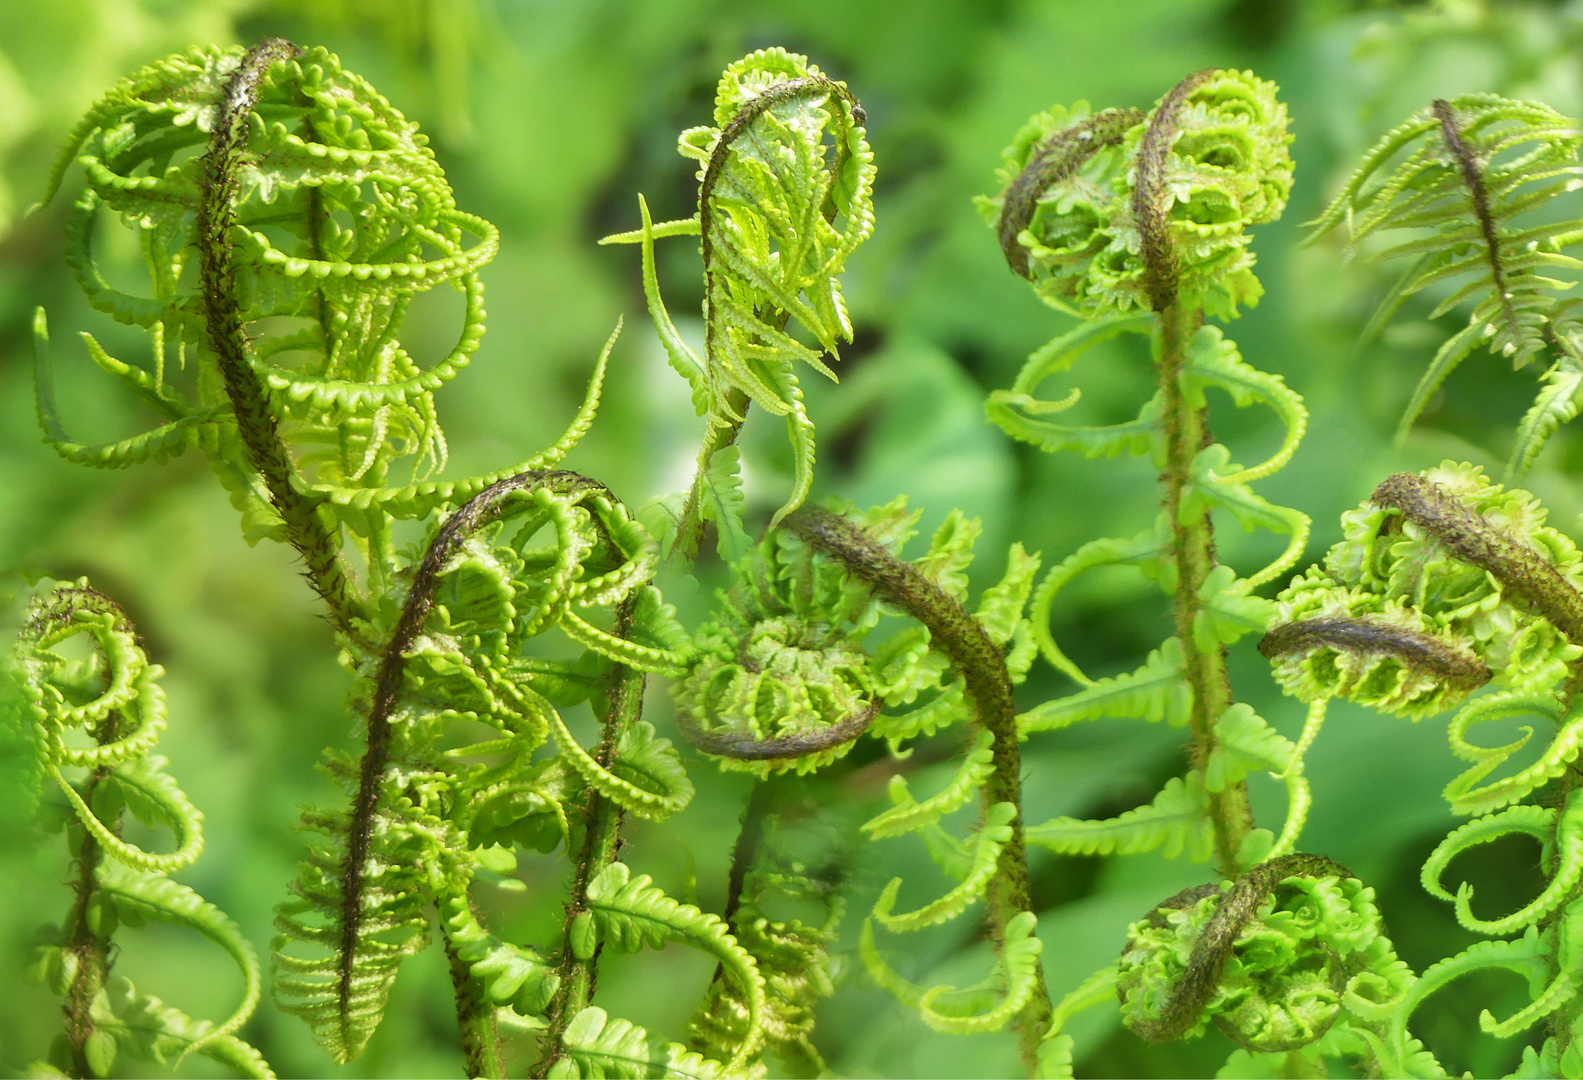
pixel 1445 582
pixel 785 194
pixel 113 698
pixel 1480 174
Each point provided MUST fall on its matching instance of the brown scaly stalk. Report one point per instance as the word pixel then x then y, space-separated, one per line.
pixel 475 1018
pixel 957 634
pixel 307 529
pixel 722 433
pixel 1186 432
pixel 480 510
pixel 1191 992
pixel 1473 176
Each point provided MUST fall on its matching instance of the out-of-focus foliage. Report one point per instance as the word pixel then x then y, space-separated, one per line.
pixel 549 116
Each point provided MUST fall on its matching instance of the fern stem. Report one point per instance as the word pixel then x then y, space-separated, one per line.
pixel 956 633
pixel 601 843
pixel 92 951
pixel 1473 177
pixel 1186 432
pixel 690 531
pixel 306 528
pixel 475 1018
pixel 1193 549
pixel 476 513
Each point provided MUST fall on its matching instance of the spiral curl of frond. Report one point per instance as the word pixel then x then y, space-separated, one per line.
pixel 114 698
pixel 1477 172
pixel 1400 620
pixel 536 552
pixel 1273 960
pixel 786 181
pixel 1066 212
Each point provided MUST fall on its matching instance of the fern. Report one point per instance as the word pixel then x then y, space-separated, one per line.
pixel 785 196
pixel 1404 618
pixel 1473 177
pixel 113 697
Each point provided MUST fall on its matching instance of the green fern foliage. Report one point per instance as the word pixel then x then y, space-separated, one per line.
pixel 1472 183
pixel 1445 582
pixel 539 552
pixel 104 712
pixel 1066 216
pixel 785 195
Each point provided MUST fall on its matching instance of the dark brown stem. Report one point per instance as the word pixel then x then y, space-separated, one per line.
pixel 477 512
pixel 601 844
pixel 1456 666
pixel 1473 177
pixel 1057 158
pixel 1151 203
pixel 307 529
pixel 1473 538
pixel 1215 944
pixel 92 951
pixel 954 632
pixel 743 747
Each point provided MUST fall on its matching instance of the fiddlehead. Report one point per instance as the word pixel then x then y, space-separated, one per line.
pixel 311 202
pixel 113 697
pixel 785 191
pixel 1289 961
pixel 419 816
pixel 786 665
pixel 1150 212
pixel 1446 572
pixel 1477 173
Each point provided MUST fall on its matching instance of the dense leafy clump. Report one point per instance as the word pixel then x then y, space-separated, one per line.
pixel 785 195
pixel 1069 215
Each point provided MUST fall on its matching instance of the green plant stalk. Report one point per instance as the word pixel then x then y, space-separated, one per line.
pixel 1193 548
pixel 601 843
pixel 91 950
pixel 956 633
pixel 307 530
pixel 475 1020
pixel 690 530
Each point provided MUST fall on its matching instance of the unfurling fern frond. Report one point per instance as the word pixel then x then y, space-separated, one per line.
pixel 1289 953
pixel 1444 582
pixel 529 554
pixel 113 699
pixel 1068 223
pixel 1475 179
pixel 307 200
pixel 785 194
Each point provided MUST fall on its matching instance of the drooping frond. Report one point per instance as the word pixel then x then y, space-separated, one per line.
pixel 1472 183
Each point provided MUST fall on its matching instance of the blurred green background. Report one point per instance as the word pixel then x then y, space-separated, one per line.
pixel 550 116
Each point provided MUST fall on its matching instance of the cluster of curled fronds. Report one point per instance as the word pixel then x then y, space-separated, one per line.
pixel 538 552
pixel 786 678
pixel 785 194
pixel 91 701
pixel 306 199
pixel 1474 182
pixel 1105 213
pixel 1069 221
pixel 1446 582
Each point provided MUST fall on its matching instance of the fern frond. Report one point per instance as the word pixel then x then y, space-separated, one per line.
pixel 1176 821
pixel 1535 821
pixel 629 913
pixel 598 1046
pixel 1470 170
pixel 992 836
